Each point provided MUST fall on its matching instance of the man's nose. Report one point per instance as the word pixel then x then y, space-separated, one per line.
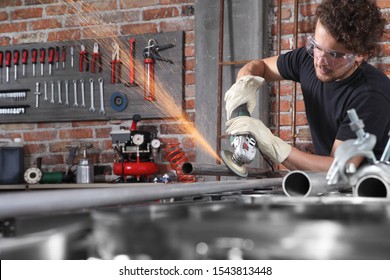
pixel 322 58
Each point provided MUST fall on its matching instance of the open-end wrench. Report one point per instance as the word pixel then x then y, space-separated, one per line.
pixel 75 104
pixel 37 94
pixel 101 90
pixel 82 93
pixel 66 93
pixel 52 92
pixel 45 90
pixel 59 92
pixel 92 108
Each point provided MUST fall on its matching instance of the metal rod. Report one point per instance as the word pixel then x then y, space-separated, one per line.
pixel 299 183
pixel 49 201
pixel 386 153
pixel 279 51
pixel 295 85
pixel 222 170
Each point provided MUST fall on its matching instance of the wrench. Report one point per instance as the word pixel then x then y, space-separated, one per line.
pixel 45 90
pixel 92 108
pixel 66 93
pixel 75 93
pixel 59 92
pixel 52 92
pixel 82 94
pixel 101 111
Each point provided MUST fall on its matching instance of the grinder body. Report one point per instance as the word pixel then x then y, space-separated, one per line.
pixel 244 146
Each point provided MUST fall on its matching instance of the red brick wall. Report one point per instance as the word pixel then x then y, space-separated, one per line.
pixel 26 21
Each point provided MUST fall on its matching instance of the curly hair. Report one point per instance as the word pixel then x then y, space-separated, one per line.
pixel 356 24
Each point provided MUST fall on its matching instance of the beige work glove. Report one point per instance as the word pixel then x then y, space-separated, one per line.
pixel 243 91
pixel 271 146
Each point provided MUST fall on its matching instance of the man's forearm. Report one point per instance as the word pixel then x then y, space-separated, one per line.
pixel 298 160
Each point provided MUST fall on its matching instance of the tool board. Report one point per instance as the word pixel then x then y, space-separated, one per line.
pixel 121 100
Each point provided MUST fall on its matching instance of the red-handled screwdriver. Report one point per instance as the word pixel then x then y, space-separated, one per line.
pixel 42 59
pixel 16 63
pixel 51 59
pixel 7 64
pixel 1 66
pixel 63 56
pixel 24 61
pixel 57 56
pixel 34 55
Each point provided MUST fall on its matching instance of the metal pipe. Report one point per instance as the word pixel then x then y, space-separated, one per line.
pixel 295 84
pixel 299 183
pixel 386 153
pixel 373 181
pixel 222 170
pixel 98 195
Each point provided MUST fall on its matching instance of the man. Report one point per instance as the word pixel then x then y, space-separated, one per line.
pixel 334 77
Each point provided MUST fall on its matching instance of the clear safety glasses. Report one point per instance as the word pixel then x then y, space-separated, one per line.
pixel 315 50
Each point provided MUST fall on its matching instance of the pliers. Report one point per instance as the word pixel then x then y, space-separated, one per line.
pixel 96 58
pixel 115 64
pixel 83 57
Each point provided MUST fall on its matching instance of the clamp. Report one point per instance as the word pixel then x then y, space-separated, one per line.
pixel 152 50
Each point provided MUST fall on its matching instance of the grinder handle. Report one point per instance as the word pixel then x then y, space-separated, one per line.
pixel 240 111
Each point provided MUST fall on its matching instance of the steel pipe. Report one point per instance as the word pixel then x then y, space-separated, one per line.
pixel 300 183
pixel 373 181
pixel 222 170
pixel 97 195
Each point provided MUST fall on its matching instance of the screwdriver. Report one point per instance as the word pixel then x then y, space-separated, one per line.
pixel 42 59
pixel 63 56
pixel 57 56
pixel 34 55
pixel 16 63
pixel 24 61
pixel 7 64
pixel 51 59
pixel 1 66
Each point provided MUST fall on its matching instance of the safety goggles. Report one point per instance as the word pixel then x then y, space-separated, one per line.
pixel 315 50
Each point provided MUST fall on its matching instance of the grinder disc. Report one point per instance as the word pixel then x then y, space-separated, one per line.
pixel 227 158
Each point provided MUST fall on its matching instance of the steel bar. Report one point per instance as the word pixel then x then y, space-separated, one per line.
pixel 222 170
pixel 299 183
pixel 373 181
pixel 38 202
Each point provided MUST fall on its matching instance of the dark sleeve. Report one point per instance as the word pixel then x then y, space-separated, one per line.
pixel 290 64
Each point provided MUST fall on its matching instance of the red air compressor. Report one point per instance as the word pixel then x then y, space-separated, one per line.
pixel 135 151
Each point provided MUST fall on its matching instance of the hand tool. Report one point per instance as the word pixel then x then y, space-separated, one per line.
pixel 17 94
pixel 66 93
pixel 57 56
pixel 75 104
pixel 82 93
pixel 151 54
pixel 101 91
pixel 24 62
pixel 45 90
pixel 13 110
pixel 52 92
pixel 96 59
pixel 63 56
pixel 16 63
pixel 34 55
pixel 132 62
pixel 83 58
pixel 72 56
pixel 37 94
pixel 244 148
pixel 59 92
pixel 115 64
pixel 1 66
pixel 51 60
pixel 7 65
pixel 91 87
pixel 42 59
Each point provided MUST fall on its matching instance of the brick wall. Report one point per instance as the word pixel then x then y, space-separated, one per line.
pixel 27 21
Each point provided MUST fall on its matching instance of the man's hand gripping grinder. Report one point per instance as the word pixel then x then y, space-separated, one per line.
pixel 244 146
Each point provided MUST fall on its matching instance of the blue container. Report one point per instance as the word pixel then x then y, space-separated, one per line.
pixel 11 161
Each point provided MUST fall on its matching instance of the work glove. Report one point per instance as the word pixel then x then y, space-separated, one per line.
pixel 243 91
pixel 271 146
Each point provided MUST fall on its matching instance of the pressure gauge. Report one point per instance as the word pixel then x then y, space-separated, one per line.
pixel 138 139
pixel 156 143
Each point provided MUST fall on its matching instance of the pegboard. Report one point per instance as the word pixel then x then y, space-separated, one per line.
pixel 18 101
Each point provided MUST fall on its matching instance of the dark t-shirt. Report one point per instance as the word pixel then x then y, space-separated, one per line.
pixel 367 91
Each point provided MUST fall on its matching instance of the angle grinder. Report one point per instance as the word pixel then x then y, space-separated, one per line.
pixel 244 146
